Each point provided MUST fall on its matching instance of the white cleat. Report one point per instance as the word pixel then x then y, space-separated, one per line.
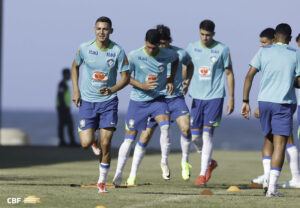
pixel 259 179
pixel 165 171
pixel 101 188
pixel 274 194
pixel 95 148
pixel 117 180
pixel 289 184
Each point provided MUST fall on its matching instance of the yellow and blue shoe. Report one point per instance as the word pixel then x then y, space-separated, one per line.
pixel 186 173
pixel 131 180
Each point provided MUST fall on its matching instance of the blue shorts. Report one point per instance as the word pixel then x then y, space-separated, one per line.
pixel 98 115
pixel 177 108
pixel 276 118
pixel 139 112
pixel 206 113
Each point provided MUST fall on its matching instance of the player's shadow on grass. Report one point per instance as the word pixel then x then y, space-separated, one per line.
pixel 20 156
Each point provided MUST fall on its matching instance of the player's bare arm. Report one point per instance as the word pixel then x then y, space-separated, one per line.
pixel 76 92
pixel 125 77
pixel 246 111
pixel 170 79
pixel 230 85
pixel 147 85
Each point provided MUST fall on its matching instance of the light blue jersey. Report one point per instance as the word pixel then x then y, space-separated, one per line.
pixel 184 59
pixel 100 69
pixel 145 67
pixel 279 64
pixel 208 81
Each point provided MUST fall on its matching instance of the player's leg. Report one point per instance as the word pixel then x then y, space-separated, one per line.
pixel 267 152
pixel 139 152
pixel 105 157
pixel 196 122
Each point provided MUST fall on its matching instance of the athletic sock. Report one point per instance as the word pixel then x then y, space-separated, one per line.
pixel 164 141
pixel 274 175
pixel 124 152
pixel 293 161
pixel 267 167
pixel 139 152
pixel 103 172
pixel 197 140
pixel 206 150
pixel 185 142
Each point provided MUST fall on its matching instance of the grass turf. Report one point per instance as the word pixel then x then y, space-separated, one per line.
pixel 49 172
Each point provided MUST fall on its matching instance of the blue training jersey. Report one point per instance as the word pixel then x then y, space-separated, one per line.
pixel 208 81
pixel 100 69
pixel 145 67
pixel 184 59
pixel 279 65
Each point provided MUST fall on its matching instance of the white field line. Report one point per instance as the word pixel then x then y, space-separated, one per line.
pixel 172 198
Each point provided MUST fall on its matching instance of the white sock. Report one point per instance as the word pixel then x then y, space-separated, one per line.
pixel 103 172
pixel 124 152
pixel 293 161
pixel 197 140
pixel 138 155
pixel 267 167
pixel 206 151
pixel 274 175
pixel 185 142
pixel 164 141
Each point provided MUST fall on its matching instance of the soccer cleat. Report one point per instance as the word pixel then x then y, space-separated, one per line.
pixel 186 174
pixel 95 148
pixel 101 188
pixel 212 166
pixel 131 180
pixel 165 171
pixel 289 184
pixel 201 181
pixel 274 194
pixel 259 179
pixel 117 180
pixel 265 185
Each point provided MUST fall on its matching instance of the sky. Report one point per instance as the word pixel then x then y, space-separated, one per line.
pixel 41 38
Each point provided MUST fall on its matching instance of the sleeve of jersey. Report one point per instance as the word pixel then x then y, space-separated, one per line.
pixel 79 56
pixel 298 63
pixel 131 63
pixel 186 59
pixel 226 58
pixel 174 56
pixel 122 61
pixel 256 61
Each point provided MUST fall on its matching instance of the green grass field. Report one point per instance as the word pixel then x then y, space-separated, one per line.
pixel 48 173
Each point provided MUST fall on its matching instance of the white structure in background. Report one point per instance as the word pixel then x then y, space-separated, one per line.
pixel 13 137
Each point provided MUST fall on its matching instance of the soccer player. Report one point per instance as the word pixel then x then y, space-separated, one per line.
pixel 97 100
pixel 267 37
pixel 279 64
pixel 179 112
pixel 63 105
pixel 149 80
pixel 211 61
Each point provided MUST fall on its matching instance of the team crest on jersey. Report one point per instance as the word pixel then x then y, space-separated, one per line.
pixel 204 73
pixel 213 59
pixel 161 68
pixel 93 52
pixel 131 123
pixel 82 123
pixel 110 63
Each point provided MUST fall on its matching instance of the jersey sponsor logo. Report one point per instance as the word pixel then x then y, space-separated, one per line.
pixel 131 123
pixel 204 73
pixel 109 54
pixel 197 50
pixel 214 51
pixel 110 63
pixel 291 49
pixel 93 52
pixel 82 123
pixel 141 58
pixel 151 77
pixel 100 77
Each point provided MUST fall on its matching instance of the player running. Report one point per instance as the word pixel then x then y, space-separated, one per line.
pixel 279 64
pixel 150 84
pixel 97 98
pixel 211 61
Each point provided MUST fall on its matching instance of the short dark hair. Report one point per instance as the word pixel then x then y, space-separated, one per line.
pixel 65 71
pixel 283 29
pixel 164 32
pixel 153 36
pixel 207 25
pixel 104 19
pixel 298 37
pixel 268 33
